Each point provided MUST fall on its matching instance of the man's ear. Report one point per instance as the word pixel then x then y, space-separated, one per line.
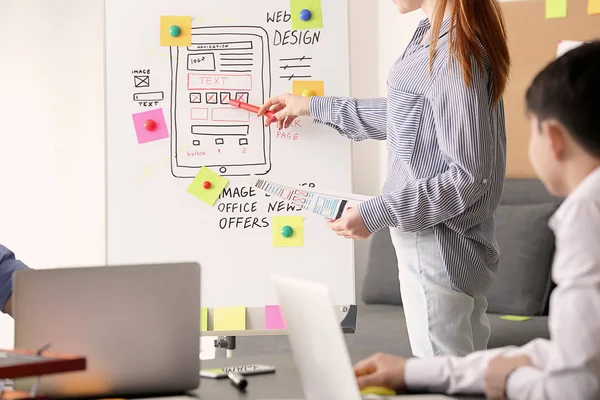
pixel 556 135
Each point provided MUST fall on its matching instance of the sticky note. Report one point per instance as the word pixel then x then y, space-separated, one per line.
pixel 208 193
pixel 204 319
pixel 160 130
pixel 229 319
pixel 316 87
pixel 281 224
pixel 185 27
pixel 316 19
pixel 556 9
pixel 593 7
pixel 514 318
pixel 274 318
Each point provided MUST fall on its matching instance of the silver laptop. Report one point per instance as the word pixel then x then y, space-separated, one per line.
pixel 318 344
pixel 138 326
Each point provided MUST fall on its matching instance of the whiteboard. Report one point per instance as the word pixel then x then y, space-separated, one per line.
pixel 238 48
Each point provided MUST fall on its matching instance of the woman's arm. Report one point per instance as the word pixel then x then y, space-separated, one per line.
pixel 355 119
pixel 462 117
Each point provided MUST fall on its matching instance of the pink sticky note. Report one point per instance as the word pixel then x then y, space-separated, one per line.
pixel 274 318
pixel 159 129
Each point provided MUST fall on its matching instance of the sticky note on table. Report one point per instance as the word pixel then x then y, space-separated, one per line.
pixel 274 318
pixel 229 319
pixel 181 25
pixel 288 231
pixel 514 318
pixel 593 7
pixel 204 319
pixel 313 6
pixel 143 131
pixel 556 9
pixel 207 186
pixel 316 88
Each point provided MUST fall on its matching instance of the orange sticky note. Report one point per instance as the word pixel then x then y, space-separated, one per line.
pixel 593 7
pixel 171 25
pixel 308 88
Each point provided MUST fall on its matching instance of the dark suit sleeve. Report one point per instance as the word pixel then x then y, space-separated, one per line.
pixel 8 265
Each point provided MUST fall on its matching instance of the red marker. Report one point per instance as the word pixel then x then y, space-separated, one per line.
pixel 245 106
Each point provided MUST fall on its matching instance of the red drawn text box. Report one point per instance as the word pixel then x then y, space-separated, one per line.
pixel 219 82
pixel 228 114
pixel 199 114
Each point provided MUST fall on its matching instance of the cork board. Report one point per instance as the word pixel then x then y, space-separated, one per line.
pixel 533 41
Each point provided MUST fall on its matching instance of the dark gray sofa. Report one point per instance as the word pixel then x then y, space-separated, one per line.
pixel 523 285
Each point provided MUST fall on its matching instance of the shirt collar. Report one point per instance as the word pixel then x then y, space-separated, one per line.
pixel 425 26
pixel 587 189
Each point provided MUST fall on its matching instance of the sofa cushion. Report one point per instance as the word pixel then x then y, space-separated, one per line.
pixel 381 284
pixel 523 284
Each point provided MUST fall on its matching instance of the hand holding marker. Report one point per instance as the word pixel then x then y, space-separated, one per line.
pixel 245 106
pixel 287 107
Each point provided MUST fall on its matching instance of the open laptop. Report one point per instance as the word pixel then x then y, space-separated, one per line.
pixel 138 326
pixel 318 344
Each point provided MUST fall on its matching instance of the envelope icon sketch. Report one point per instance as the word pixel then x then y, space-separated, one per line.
pixel 141 81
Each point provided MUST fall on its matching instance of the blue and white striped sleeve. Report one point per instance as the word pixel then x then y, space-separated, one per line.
pixel 8 265
pixel 355 119
pixel 462 119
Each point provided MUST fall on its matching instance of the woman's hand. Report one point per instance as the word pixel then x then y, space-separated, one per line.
pixel 287 108
pixel 350 225
pixel 381 370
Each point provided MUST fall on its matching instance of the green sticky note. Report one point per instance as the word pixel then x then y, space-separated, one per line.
pixel 297 8
pixel 556 9
pixel 229 319
pixel 204 319
pixel 207 186
pixel 514 318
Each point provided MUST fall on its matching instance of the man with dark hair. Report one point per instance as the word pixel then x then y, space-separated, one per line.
pixel 563 103
pixel 8 265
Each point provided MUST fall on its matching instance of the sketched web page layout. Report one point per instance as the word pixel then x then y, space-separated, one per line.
pixel 222 63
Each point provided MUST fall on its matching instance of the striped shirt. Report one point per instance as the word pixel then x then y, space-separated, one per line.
pixel 447 155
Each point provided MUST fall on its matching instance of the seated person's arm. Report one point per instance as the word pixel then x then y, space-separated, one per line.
pixel 8 265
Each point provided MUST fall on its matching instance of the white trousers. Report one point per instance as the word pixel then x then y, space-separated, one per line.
pixel 441 319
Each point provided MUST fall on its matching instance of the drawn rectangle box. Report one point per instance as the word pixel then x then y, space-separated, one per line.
pixel 199 114
pixel 201 62
pixel 221 130
pixel 228 114
pixel 149 96
pixel 244 45
pixel 219 82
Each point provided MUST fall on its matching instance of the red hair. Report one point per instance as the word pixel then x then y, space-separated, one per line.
pixel 475 22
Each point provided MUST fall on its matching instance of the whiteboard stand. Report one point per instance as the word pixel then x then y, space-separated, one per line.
pixel 227 343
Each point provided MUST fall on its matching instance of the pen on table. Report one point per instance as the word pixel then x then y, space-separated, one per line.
pixel 249 107
pixel 237 380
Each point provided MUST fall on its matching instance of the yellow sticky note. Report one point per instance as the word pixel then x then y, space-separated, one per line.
pixel 182 26
pixel 308 88
pixel 556 9
pixel 306 14
pixel 204 319
pixel 593 7
pixel 229 319
pixel 207 186
pixel 514 318
pixel 288 231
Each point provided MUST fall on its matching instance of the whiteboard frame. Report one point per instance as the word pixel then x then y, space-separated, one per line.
pixel 347 313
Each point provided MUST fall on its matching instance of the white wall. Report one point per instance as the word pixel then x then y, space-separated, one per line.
pixel 52 134
pixel 52 109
